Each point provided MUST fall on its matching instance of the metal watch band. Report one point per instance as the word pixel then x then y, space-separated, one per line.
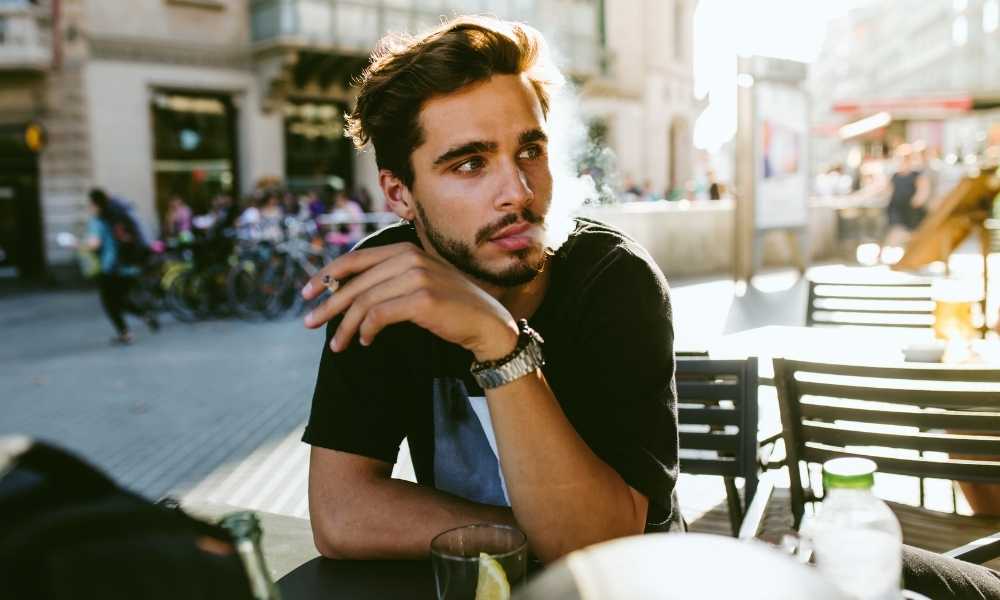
pixel 522 363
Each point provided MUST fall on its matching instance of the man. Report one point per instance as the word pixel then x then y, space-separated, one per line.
pixel 118 239
pixel 573 439
pixel 578 449
pixel 909 193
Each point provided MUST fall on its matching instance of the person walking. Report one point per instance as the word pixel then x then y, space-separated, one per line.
pixel 115 237
pixel 907 200
pixel 179 216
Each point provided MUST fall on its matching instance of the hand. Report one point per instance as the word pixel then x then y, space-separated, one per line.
pixel 400 282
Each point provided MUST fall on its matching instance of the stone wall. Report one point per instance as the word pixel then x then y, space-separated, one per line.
pixel 696 238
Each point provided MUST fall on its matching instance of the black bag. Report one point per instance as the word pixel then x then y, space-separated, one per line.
pixel 68 532
pixel 133 247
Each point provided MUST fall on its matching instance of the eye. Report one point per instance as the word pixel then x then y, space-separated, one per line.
pixel 470 166
pixel 530 152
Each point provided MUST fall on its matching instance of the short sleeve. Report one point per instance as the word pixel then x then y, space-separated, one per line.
pixel 358 405
pixel 623 400
pixel 354 407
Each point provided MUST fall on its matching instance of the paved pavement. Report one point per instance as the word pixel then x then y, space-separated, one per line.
pixel 161 413
pixel 213 411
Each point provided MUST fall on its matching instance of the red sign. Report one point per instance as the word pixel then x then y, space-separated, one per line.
pixel 895 105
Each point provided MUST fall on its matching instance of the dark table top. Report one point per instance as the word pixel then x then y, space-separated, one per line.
pixel 326 579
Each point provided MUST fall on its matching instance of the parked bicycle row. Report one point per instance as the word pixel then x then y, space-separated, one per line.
pixel 251 267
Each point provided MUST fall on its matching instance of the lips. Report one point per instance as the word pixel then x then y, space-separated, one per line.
pixel 512 231
pixel 515 237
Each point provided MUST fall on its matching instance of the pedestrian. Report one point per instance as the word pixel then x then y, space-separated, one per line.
pixel 272 216
pixel 907 198
pixel 178 219
pixel 347 219
pixel 112 234
pixel 714 187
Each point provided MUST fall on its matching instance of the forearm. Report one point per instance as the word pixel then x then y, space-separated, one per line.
pixel 563 495
pixel 393 519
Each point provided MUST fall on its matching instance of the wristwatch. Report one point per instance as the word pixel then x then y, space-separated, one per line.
pixel 525 359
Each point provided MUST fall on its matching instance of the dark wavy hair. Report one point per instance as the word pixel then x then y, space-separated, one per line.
pixel 406 71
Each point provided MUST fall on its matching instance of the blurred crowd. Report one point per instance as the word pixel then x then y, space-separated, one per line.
pixel 337 218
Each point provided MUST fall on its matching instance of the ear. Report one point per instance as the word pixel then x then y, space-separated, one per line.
pixel 397 196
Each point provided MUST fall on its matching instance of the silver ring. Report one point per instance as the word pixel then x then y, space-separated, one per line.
pixel 330 283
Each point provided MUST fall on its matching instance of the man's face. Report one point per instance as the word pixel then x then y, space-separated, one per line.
pixel 483 184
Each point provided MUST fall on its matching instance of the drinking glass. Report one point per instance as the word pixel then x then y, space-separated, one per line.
pixel 455 555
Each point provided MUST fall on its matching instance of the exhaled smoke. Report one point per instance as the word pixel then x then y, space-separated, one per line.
pixel 583 170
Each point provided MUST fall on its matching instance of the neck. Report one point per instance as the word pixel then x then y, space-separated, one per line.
pixel 521 301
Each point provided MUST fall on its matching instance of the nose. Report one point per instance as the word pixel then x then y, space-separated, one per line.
pixel 514 191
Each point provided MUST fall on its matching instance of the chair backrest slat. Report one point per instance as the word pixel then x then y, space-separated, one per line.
pixel 713 415
pixel 875 298
pixel 962 470
pixel 723 442
pixel 914 373
pixel 721 467
pixel 948 420
pixel 924 398
pixel 708 390
pixel 839 435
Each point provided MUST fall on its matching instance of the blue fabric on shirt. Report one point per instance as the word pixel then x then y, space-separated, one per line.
pixel 108 251
pixel 464 463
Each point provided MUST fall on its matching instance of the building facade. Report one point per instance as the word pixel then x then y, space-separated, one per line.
pixel 929 65
pixel 643 101
pixel 151 98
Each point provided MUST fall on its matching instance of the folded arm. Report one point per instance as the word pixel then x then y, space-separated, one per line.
pixel 359 512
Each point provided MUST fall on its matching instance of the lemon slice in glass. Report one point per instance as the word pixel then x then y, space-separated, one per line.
pixel 492 583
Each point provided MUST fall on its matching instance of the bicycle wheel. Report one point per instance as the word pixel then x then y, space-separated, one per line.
pixel 278 291
pixel 181 299
pixel 243 290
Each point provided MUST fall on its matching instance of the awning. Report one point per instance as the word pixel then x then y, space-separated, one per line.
pixel 928 107
pixel 865 126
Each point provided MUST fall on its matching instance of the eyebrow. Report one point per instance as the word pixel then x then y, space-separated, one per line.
pixel 475 147
pixel 532 135
pixel 485 147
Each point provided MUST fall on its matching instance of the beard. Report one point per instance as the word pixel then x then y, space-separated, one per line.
pixel 529 262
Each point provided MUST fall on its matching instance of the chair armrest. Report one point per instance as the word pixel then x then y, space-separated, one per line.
pixel 753 520
pixel 977 552
pixel 766 449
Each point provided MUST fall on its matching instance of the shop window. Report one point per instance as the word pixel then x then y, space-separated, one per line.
pixel 194 137
pixel 316 152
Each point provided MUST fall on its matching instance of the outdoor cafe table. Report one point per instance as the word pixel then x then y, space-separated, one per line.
pixel 637 567
pixel 326 579
pixel 881 346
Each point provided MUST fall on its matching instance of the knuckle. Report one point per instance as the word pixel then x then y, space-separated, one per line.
pixel 414 259
pixel 375 315
pixel 424 297
pixel 420 276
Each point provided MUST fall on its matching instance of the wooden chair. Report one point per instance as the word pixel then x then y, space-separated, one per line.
pixel 870 299
pixel 717 413
pixel 892 415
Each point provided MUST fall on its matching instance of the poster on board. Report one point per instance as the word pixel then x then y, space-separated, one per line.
pixel 781 184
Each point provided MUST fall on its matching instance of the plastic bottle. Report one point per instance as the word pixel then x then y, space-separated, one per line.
pixel 856 540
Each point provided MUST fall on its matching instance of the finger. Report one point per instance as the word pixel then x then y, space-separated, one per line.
pixel 395 310
pixel 346 295
pixel 406 284
pixel 352 263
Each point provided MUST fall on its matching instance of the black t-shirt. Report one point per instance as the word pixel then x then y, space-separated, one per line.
pixel 606 322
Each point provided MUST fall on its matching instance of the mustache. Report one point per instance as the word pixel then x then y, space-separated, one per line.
pixel 487 232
